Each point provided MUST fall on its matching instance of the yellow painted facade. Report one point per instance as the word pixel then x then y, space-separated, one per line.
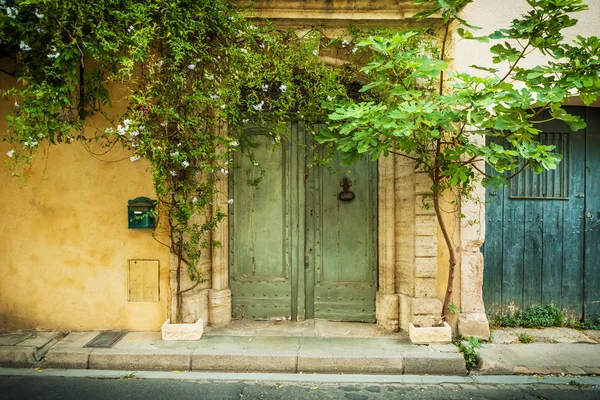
pixel 64 242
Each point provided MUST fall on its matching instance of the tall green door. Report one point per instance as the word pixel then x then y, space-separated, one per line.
pixel 299 249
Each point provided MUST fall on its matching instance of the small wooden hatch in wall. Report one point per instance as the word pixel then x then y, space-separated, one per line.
pixel 144 280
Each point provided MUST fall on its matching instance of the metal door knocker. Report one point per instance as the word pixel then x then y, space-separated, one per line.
pixel 346 194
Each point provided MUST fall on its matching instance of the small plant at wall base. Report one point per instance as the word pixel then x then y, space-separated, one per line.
pixel 413 107
pixel 533 317
pixel 193 73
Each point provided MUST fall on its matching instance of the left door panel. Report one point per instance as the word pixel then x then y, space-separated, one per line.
pixel 260 224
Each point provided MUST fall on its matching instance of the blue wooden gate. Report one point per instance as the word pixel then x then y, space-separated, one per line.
pixel 542 242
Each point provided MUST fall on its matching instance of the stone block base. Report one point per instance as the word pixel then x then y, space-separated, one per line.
pixel 219 307
pixel 474 324
pixel 387 311
pixel 182 331
pixel 430 334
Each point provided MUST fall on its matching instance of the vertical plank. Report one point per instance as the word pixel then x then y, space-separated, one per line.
pixel 592 217
pixel 532 258
pixel 552 253
pixel 513 236
pixel 492 273
pixel 573 237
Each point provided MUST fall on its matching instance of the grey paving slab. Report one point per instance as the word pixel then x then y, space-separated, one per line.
pixel 245 344
pixel 545 335
pixel 13 338
pixel 383 346
pixel 75 340
pixel 40 339
pixel 529 358
pixel 592 334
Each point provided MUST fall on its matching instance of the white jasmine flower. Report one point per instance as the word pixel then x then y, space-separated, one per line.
pixel 130 28
pixel 55 53
pixel 258 106
pixel 164 123
pixel 17 104
pixel 12 12
pixel 39 15
pixel 134 158
pixel 135 133
pixel 234 143
pixel 191 67
pixel 244 51
pixel 230 201
pixel 355 49
pixel 197 60
pixel 40 30
pixel 121 129
pixel 367 72
pixel 265 87
pixel 141 128
pixel 245 121
pixel 194 200
pixel 223 106
pixel 23 46
pixel 329 98
pixel 345 43
pixel 262 45
pixel 174 154
pixel 255 164
pixel 214 96
pixel 209 76
pixel 173 173
pixel 179 144
pixel 224 171
pixel 185 164
pixel 127 122
pixel 33 143
pixel 315 52
pixel 283 88
pixel 11 153
pixel 252 27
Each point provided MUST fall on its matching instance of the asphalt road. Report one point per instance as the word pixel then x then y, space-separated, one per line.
pixel 129 387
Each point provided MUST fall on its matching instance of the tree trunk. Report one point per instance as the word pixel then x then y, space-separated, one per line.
pixel 452 251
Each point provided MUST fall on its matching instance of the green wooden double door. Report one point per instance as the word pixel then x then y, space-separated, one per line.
pixel 302 243
pixel 542 241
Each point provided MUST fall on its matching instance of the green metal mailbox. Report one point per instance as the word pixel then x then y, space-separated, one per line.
pixel 139 213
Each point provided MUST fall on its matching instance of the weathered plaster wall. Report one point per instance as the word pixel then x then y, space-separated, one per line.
pixel 492 15
pixel 64 242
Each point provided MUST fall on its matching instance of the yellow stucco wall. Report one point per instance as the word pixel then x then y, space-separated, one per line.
pixel 65 246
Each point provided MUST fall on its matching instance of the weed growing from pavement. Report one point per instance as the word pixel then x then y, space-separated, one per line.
pixel 525 338
pixel 469 346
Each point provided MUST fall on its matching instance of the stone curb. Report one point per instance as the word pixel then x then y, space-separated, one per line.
pixel 281 362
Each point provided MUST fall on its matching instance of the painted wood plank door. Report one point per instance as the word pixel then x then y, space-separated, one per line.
pixel 542 241
pixel 263 225
pixel 296 250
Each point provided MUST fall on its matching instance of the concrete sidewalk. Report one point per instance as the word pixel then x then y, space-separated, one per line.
pixel 302 351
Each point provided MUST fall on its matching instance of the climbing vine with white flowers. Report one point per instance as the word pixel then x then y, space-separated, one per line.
pixel 194 72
